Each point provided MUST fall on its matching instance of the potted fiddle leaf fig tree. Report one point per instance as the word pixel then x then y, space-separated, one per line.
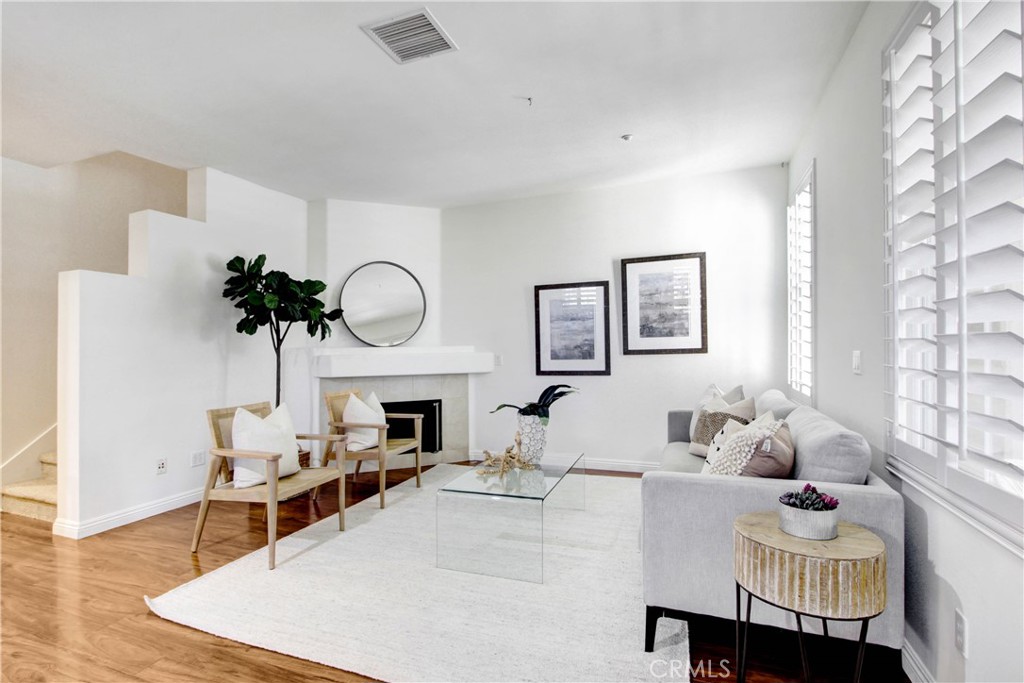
pixel 276 301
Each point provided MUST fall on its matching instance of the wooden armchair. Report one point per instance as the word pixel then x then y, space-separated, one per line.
pixel 274 490
pixel 386 447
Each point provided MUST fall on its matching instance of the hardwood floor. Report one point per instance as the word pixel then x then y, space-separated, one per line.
pixel 73 610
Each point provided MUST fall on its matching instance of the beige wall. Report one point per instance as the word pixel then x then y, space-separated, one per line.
pixel 68 217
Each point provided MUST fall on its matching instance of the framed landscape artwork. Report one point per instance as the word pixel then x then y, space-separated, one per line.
pixel 572 329
pixel 664 304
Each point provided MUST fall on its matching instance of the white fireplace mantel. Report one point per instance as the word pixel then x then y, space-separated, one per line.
pixel 308 370
pixel 404 361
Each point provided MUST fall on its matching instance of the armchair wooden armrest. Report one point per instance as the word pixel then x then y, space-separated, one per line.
pixel 349 425
pixel 404 416
pixel 338 438
pixel 251 455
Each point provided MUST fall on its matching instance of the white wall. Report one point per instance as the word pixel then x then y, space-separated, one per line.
pixel 62 218
pixel 949 564
pixel 344 235
pixel 142 357
pixel 494 254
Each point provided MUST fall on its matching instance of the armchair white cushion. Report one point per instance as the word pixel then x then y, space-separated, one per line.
pixel 274 434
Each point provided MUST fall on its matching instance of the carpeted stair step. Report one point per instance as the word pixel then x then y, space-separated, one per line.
pixel 49 463
pixel 36 499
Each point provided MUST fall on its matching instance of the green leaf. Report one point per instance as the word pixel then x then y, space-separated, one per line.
pixel 506 405
pixel 545 396
pixel 271 301
pixel 313 287
pixel 256 265
pixel 254 298
pixel 236 265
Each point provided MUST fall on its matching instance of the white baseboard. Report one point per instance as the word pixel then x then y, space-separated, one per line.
pixel 602 464
pixel 79 530
pixel 915 669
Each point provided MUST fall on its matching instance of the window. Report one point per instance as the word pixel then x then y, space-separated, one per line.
pixel 800 254
pixel 954 267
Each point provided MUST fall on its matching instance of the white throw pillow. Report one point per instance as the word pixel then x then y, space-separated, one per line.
pixel 739 448
pixel 275 434
pixel 718 443
pixel 368 412
pixel 712 392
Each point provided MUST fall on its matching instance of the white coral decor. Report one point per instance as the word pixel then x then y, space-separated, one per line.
pixel 534 437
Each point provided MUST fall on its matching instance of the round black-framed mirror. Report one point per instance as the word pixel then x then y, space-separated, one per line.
pixel 382 304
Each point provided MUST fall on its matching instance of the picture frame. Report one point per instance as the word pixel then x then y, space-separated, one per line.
pixel 664 304
pixel 572 331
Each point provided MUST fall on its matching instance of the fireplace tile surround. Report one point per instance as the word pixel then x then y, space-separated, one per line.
pixel 453 390
pixel 395 374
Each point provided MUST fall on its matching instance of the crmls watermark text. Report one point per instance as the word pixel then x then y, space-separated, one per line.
pixel 677 668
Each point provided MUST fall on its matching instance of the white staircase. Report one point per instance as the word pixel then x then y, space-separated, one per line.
pixel 36 498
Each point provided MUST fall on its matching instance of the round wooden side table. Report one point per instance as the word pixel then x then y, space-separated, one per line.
pixel 841 580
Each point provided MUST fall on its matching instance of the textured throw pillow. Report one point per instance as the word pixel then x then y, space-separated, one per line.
pixel 743 410
pixel 773 456
pixel 713 391
pixel 368 412
pixel 709 425
pixel 718 443
pixel 275 434
pixel 739 449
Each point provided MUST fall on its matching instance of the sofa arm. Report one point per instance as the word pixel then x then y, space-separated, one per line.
pixel 679 425
pixel 687 543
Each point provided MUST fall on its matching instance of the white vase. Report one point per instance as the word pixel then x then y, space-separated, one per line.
pixel 816 525
pixel 533 435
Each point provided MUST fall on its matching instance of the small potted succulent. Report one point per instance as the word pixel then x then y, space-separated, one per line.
pixel 808 513
pixel 533 420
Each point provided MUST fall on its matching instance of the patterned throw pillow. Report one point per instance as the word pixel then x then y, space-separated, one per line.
pixel 718 443
pixel 702 437
pixel 739 449
pixel 710 424
pixel 714 392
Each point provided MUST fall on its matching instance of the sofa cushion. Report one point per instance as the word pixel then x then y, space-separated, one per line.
pixel 718 444
pixel 773 457
pixel 714 392
pixel 713 417
pixel 740 448
pixel 827 451
pixel 676 457
pixel 775 401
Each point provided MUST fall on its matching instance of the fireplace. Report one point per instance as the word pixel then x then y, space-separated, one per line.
pixel 404 429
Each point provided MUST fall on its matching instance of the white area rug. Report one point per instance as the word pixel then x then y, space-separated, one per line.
pixel 370 599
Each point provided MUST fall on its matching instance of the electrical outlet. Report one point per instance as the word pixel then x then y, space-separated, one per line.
pixel 856 362
pixel 960 632
pixel 198 458
pixel 161 466
pixel 499 360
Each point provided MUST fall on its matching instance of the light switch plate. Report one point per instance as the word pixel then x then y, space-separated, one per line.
pixel 856 362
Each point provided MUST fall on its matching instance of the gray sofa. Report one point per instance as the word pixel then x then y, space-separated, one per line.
pixel 687 535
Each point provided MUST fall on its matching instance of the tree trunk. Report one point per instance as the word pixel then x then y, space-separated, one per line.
pixel 277 395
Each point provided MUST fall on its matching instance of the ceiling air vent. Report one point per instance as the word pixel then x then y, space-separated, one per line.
pixel 411 36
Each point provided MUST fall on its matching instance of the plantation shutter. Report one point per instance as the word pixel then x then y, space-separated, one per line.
pixel 954 148
pixel 800 256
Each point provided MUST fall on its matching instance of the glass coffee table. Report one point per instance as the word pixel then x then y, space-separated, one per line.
pixel 494 525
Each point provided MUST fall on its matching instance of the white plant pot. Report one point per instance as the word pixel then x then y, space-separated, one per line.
pixel 533 435
pixel 816 525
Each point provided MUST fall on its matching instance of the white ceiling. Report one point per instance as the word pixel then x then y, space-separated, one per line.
pixel 294 96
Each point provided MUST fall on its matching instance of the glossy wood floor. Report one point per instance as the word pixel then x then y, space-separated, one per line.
pixel 73 610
